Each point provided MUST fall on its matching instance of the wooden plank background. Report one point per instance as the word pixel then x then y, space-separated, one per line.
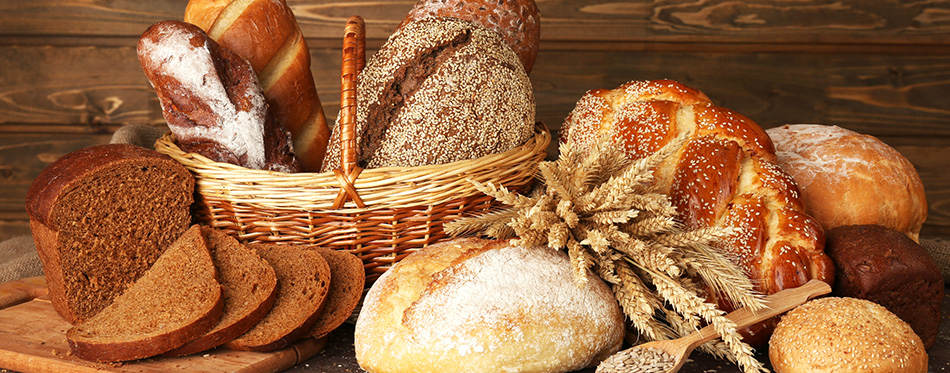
pixel 69 76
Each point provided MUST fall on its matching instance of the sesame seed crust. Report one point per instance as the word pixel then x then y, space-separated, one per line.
pixel 845 335
pixel 724 176
pixel 439 90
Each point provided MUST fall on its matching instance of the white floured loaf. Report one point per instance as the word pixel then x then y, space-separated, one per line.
pixel 478 305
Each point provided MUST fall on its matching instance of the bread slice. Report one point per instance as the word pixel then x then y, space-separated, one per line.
pixel 175 301
pixel 250 289
pixel 346 288
pixel 100 217
pixel 303 279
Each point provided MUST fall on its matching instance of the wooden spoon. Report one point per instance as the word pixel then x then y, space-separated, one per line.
pixel 680 348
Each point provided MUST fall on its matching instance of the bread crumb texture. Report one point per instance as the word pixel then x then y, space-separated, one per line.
pixel 839 334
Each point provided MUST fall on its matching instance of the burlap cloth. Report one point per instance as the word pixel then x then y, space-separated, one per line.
pixel 18 258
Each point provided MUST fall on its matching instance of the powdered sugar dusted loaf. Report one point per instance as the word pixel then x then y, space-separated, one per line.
pixel 479 305
pixel 211 99
pixel 439 90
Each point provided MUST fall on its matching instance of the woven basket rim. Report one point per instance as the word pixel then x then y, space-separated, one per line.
pixel 380 188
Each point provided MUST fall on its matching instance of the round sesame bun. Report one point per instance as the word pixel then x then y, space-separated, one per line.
pixel 845 335
pixel 847 178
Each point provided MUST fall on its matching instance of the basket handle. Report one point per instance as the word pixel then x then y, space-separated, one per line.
pixel 354 59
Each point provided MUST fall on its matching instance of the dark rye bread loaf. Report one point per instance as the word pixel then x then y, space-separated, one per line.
pixel 439 90
pixel 250 289
pixel 100 216
pixel 346 288
pixel 887 267
pixel 303 278
pixel 175 301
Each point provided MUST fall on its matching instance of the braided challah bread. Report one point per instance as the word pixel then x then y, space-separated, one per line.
pixel 266 33
pixel 723 176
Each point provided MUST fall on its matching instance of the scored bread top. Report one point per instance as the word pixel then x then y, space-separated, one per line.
pixel 476 305
pixel 175 301
pixel 518 21
pixel 303 279
pixel 439 90
pixel 250 289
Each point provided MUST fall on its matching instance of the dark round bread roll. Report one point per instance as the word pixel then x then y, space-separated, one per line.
pixel 518 21
pixel 439 90
pixel 886 267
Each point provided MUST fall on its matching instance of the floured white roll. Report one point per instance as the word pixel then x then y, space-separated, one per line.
pixel 478 305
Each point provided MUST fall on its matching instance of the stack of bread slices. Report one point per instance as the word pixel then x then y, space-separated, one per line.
pixel 154 295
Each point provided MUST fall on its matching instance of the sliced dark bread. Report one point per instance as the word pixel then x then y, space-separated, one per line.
pixel 346 289
pixel 250 289
pixel 100 216
pixel 175 301
pixel 303 279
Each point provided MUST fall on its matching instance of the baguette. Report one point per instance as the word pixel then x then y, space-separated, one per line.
pixel 265 33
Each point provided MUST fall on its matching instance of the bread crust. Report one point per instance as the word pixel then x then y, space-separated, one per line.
pixel 888 268
pixel 518 21
pixel 266 33
pixel 845 335
pixel 847 178
pixel 474 305
pixel 439 90
pixel 212 99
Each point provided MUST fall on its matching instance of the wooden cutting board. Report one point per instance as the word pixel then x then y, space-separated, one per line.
pixel 33 339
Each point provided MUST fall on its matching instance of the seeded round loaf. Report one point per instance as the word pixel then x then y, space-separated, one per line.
pixel 888 268
pixel 518 21
pixel 845 335
pixel 439 90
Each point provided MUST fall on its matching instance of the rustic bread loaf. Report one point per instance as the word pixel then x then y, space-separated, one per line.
pixel 303 278
pixel 266 33
pixel 439 90
pixel 886 267
pixel 845 335
pixel 212 100
pixel 474 305
pixel 250 289
pixel 175 301
pixel 847 178
pixel 723 175
pixel 100 217
pixel 518 21
pixel 347 280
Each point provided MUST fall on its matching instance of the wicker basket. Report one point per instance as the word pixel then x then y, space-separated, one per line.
pixel 380 215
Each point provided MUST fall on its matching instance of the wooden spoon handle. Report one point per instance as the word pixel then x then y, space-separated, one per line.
pixel 775 304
